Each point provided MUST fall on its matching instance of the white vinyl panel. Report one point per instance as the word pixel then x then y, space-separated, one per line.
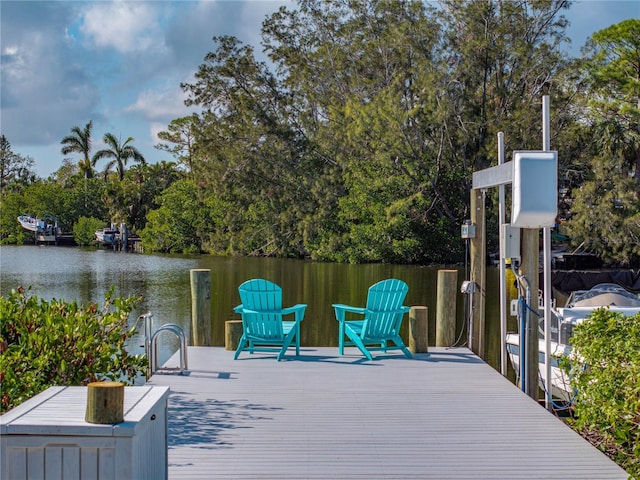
pixel 71 463
pixel 16 465
pixel 35 464
pixel 89 463
pixel 53 462
pixel 107 464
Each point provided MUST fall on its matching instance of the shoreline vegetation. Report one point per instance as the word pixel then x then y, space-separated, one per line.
pixel 43 344
pixel 605 368
pixel 57 343
pixel 364 153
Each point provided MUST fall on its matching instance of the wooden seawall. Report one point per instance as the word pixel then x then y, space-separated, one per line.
pixel 442 415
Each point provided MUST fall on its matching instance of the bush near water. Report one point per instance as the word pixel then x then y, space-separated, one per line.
pixel 56 343
pixel 84 230
pixel 605 370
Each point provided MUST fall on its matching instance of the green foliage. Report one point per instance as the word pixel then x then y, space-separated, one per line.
pixel 81 197
pixel 15 170
pixel 119 152
pixel 606 213
pixel 358 140
pixel 80 142
pixel 62 343
pixel 176 226
pixel 361 146
pixel 610 193
pixel 606 372
pixel 11 205
pixel 69 196
pixel 84 230
pixel 38 198
pixel 180 136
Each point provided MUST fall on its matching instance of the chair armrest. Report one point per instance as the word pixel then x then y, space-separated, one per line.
pixel 341 311
pixel 298 310
pixel 238 309
pixel 349 308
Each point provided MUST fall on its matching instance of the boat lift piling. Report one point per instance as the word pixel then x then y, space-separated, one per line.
pixel 546 146
pixel 533 176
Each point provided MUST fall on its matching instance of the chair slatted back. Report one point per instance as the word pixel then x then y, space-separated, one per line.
pixel 265 299
pixel 384 303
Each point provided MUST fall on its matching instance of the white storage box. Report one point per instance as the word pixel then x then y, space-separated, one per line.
pixel 46 437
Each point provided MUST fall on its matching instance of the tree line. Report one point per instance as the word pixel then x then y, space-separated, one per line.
pixel 357 140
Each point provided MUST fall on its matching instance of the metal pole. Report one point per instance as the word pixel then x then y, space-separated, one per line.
pixel 527 333
pixel 148 320
pixel 546 146
pixel 470 295
pixel 503 272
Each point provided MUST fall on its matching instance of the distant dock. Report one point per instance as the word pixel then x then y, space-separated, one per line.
pixel 442 415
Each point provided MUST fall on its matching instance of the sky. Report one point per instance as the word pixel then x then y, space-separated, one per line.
pixel 120 64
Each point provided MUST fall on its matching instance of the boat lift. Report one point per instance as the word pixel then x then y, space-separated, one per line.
pixel 533 176
pixel 151 346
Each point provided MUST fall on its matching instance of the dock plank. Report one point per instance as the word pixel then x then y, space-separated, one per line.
pixel 442 415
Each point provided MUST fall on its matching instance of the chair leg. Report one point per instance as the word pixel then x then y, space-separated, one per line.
pixel 285 345
pixel 398 341
pixel 240 347
pixel 341 339
pixel 358 343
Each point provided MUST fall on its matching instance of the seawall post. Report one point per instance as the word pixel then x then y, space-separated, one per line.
pixel 201 307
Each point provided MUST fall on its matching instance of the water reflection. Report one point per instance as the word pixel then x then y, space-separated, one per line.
pixel 163 283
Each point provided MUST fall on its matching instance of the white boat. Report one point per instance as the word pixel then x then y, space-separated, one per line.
pixel 45 229
pixel 107 236
pixel 580 305
pixel 33 224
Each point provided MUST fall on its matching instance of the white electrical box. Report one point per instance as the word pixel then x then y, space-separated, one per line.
pixel 468 231
pixel 510 241
pixel 513 308
pixel 535 189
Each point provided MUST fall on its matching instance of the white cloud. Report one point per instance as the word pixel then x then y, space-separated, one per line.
pixel 43 93
pixel 155 129
pixel 160 104
pixel 10 51
pixel 124 26
pixel 253 14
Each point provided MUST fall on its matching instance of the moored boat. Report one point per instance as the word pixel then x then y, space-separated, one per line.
pixel 107 236
pixel 579 306
pixel 33 224
pixel 45 229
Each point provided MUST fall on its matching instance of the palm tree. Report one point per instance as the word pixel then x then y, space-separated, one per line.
pixel 119 152
pixel 80 142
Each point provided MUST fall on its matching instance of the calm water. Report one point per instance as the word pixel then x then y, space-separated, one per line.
pixel 163 282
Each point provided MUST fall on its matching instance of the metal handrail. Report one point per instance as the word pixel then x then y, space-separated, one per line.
pixel 151 345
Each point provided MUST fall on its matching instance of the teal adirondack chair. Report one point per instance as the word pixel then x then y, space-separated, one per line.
pixel 263 327
pixel 382 318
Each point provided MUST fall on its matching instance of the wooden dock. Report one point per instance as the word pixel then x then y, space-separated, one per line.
pixel 442 415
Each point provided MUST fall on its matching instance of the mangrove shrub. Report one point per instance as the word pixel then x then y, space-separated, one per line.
pixel 606 373
pixel 47 343
pixel 84 231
